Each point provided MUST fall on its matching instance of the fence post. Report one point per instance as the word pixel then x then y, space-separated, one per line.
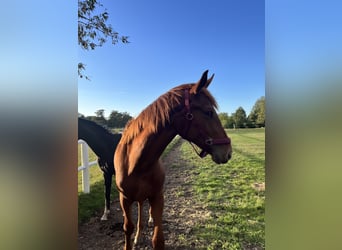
pixel 85 171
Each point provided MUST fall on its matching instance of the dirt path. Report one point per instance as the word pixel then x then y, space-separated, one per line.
pixel 180 215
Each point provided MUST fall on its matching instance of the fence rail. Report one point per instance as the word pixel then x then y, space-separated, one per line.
pixel 85 165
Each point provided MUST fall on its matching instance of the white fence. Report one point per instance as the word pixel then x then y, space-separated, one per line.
pixel 85 166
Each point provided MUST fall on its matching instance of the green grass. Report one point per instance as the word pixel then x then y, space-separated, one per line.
pixel 237 210
pixel 89 204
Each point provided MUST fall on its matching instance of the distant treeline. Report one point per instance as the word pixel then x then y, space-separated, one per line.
pixel 116 119
pixel 238 119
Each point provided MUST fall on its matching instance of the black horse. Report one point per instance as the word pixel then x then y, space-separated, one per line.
pixel 103 143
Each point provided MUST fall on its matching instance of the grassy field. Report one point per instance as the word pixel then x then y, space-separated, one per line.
pixel 236 209
pixel 88 204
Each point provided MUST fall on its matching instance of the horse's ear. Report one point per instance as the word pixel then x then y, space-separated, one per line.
pixel 209 81
pixel 203 82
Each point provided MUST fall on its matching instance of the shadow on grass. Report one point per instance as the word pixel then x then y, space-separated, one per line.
pixel 94 202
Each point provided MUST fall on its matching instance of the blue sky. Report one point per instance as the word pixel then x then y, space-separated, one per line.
pixel 173 42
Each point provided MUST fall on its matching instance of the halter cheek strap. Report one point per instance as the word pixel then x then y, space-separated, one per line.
pixel 189 116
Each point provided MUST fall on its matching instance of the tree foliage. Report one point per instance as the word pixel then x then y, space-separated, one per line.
pixel 98 118
pixel 93 29
pixel 100 113
pixel 256 118
pixel 240 118
pixel 257 115
pixel 226 120
pixel 118 119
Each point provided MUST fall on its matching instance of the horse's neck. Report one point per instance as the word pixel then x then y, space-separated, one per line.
pixel 97 142
pixel 159 142
pixel 153 145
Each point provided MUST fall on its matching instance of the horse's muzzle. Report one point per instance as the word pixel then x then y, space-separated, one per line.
pixel 221 158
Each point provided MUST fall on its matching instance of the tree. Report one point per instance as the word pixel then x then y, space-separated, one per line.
pixel 230 122
pixel 100 113
pixel 226 120
pixel 239 117
pixel 93 29
pixel 257 115
pixel 99 118
pixel 118 119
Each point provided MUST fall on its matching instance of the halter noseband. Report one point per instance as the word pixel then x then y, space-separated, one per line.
pixel 189 116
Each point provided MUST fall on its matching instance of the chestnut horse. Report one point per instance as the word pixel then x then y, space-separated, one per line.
pixel 188 110
pixel 103 143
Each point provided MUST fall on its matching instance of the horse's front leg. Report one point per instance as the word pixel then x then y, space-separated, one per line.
pixel 140 224
pixel 157 205
pixel 150 219
pixel 128 226
pixel 107 187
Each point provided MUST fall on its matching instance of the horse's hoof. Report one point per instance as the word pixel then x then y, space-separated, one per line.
pixel 136 242
pixel 150 222
pixel 104 217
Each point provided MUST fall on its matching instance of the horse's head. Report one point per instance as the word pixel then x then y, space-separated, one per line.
pixel 198 121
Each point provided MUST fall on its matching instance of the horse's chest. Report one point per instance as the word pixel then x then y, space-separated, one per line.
pixel 142 187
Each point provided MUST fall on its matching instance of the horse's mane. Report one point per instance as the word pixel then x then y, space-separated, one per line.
pixel 158 113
